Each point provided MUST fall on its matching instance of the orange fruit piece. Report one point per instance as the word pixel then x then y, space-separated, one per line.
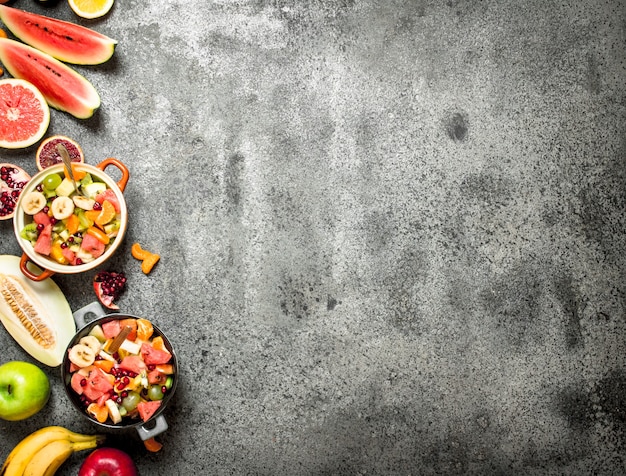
pixel 159 344
pixel 148 259
pixel 99 234
pixel 72 224
pixel 78 174
pixel 144 329
pixel 106 214
pixel 91 8
pixel 152 445
pixel 99 412
pixel 104 364
pixel 24 114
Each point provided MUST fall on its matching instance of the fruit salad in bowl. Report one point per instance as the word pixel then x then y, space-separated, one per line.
pixel 71 227
pixel 120 371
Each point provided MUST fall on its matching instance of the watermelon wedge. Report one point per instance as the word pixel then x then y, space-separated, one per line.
pixel 147 409
pixel 63 40
pixel 64 88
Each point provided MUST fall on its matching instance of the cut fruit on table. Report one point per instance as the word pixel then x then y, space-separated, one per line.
pixel 12 181
pixel 63 40
pixel 36 314
pixel 24 114
pixel 63 87
pixel 47 153
pixel 91 8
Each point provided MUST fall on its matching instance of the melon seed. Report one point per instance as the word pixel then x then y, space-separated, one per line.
pixel 23 307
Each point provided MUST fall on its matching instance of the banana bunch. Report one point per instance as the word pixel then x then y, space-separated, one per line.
pixel 42 452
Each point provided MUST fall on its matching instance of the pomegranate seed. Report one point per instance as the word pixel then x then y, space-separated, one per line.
pixel 83 382
pixel 163 389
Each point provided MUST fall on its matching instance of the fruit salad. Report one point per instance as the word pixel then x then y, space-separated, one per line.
pixel 121 371
pixel 69 227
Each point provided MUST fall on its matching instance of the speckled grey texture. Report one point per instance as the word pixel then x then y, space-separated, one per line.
pixel 392 232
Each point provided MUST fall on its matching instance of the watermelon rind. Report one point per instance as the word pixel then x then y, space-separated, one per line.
pixel 63 87
pixel 63 40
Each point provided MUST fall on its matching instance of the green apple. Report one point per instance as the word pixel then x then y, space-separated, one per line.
pixel 24 390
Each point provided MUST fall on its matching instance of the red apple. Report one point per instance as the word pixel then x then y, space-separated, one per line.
pixel 108 462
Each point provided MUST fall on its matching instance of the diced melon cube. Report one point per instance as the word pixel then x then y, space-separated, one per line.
pixel 97 332
pixel 91 190
pixel 130 347
pixel 65 189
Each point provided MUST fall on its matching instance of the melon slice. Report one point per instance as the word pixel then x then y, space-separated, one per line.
pixel 64 88
pixel 63 40
pixel 51 328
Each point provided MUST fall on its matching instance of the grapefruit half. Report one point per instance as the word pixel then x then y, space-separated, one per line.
pixel 48 155
pixel 24 114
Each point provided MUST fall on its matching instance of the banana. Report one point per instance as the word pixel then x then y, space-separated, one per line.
pixel 62 207
pixel 81 355
pixel 33 202
pixel 25 450
pixel 83 202
pixel 48 460
pixel 92 342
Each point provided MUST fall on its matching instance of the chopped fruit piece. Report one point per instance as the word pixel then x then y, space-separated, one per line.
pixel 108 287
pixel 147 258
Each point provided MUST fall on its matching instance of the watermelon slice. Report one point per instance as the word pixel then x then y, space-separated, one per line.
pixel 75 383
pixel 109 195
pixel 147 409
pixel 64 88
pixel 111 329
pixel 42 218
pixel 154 356
pixel 156 377
pixel 134 363
pixel 43 245
pixel 92 245
pixel 63 40
pixel 97 385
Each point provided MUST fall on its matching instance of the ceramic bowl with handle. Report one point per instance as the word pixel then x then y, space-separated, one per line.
pixel 47 264
pixel 156 424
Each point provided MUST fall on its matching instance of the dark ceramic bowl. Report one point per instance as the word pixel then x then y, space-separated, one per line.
pixel 148 429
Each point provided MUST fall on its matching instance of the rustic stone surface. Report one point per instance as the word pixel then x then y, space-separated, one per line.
pixel 391 232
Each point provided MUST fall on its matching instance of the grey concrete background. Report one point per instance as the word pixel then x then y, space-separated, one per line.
pixel 391 232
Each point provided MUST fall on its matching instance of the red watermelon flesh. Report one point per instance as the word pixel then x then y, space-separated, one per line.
pixel 64 88
pixel 147 409
pixel 42 218
pixel 134 363
pixel 97 385
pixel 111 329
pixel 92 245
pixel 154 356
pixel 43 245
pixel 75 383
pixel 109 196
pixel 63 40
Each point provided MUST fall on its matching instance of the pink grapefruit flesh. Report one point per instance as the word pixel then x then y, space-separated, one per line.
pixel 24 114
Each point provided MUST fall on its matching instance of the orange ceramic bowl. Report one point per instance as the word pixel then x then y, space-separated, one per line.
pixel 48 265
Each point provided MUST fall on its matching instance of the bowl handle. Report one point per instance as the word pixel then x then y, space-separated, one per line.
pixel 80 314
pixel 45 273
pixel 118 164
pixel 160 425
